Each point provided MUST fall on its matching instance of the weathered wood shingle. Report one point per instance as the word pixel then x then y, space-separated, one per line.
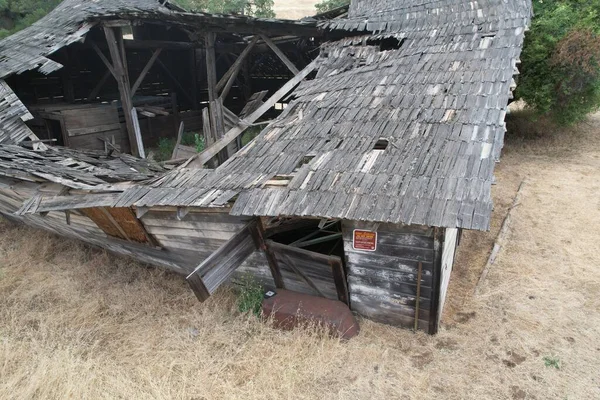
pixel 402 124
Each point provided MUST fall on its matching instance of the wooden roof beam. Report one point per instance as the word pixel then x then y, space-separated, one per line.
pixel 232 73
pixel 234 132
pixel 280 54
pixel 145 71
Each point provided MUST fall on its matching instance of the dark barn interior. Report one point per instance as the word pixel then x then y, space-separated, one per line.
pixel 173 72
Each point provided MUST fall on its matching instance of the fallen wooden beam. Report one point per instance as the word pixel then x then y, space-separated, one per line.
pixel 220 265
pixel 234 132
pixel 499 239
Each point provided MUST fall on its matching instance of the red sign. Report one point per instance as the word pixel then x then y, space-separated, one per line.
pixel 364 240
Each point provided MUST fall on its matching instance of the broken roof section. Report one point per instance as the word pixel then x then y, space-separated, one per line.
pixel 70 21
pixel 402 124
pixel 76 169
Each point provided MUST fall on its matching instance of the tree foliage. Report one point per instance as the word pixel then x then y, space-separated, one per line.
pixel 18 14
pixel 560 70
pixel 327 5
pixel 255 8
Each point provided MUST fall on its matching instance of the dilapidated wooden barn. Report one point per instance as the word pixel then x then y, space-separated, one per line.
pixel 382 128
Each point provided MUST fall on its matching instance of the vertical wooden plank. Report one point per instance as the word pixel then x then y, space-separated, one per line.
pixel 175 110
pixel 120 69
pixel 339 277
pixel 258 233
pixel 178 142
pixel 418 296
pixel 216 117
pixel 438 240
pixel 194 79
pixel 138 133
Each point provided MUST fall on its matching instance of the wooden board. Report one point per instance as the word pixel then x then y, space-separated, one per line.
pixel 383 284
pixel 220 265
pixel 118 222
pixel 309 272
pixel 448 252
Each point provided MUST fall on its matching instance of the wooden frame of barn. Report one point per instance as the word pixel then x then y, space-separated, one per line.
pixel 382 124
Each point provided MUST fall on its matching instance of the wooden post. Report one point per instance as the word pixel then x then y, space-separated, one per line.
pixel 216 117
pixel 339 277
pixel 236 131
pixel 175 110
pixel 438 240
pixel 258 234
pixel 194 80
pixel 114 38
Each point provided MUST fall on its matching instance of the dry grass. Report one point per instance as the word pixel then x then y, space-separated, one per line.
pixel 78 323
pixel 294 9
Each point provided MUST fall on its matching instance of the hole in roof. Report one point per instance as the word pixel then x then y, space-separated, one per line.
pixel 304 160
pixel 339 144
pixel 381 144
pixel 388 43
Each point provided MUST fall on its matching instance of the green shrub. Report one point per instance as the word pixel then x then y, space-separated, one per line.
pixel 165 149
pixel 251 295
pixel 553 362
pixel 560 70
pixel 199 143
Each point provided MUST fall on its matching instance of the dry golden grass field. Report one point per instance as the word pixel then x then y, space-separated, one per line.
pixel 78 323
pixel 294 9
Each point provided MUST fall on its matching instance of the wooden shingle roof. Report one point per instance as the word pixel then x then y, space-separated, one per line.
pixel 402 124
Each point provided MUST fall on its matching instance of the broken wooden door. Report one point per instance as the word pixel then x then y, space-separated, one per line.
pixel 309 272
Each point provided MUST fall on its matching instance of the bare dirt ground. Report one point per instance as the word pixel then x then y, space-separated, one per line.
pixel 78 323
pixel 294 9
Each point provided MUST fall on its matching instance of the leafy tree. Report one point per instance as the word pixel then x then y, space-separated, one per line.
pixel 560 70
pixel 256 8
pixel 18 14
pixel 327 5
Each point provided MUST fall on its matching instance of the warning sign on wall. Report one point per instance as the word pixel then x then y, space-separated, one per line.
pixel 364 240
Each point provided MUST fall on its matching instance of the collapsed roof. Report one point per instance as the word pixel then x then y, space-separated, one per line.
pixel 403 122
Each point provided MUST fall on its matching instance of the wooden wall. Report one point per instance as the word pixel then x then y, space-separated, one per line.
pixel 383 283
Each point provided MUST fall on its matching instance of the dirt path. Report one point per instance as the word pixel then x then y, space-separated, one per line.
pixel 78 323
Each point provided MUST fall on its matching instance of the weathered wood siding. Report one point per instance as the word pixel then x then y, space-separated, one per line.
pixel 183 245
pixel 383 283
pixel 448 252
pixel 196 236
